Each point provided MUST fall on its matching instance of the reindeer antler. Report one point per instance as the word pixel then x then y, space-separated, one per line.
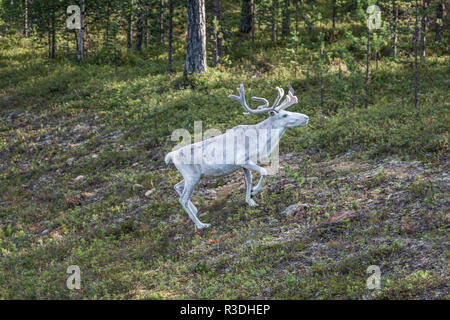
pixel 260 109
pixel 289 101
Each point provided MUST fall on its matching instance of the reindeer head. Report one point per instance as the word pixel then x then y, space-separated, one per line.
pixel 280 117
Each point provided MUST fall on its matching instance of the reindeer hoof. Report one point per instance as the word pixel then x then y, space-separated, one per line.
pixel 203 226
pixel 252 203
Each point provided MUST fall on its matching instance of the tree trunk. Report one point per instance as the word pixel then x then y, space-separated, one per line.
pixel 246 17
pixel 423 35
pixel 286 30
pixel 394 29
pixel 274 20
pixel 129 23
pixel 49 43
pixel 146 27
pixel 139 27
pixel 334 14
pixel 416 40
pixel 296 35
pixel 26 19
pixel 308 23
pixel 108 13
pixel 76 37
pixel 80 44
pixel 53 31
pixel 216 27
pixel 196 37
pixel 321 80
pixel 439 21
pixel 161 20
pixel 252 10
pixel 67 36
pixel 169 64
pixel 366 97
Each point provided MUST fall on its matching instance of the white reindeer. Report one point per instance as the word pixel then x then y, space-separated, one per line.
pixel 249 144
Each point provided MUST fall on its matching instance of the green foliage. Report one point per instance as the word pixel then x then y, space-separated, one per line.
pixel 110 118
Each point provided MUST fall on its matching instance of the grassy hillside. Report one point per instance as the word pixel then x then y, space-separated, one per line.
pixel 83 182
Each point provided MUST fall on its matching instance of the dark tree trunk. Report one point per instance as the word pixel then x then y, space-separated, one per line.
pixel 366 97
pixel 67 36
pixel 76 37
pixel 26 19
pixel 246 17
pixel 416 45
pixel 274 20
pixel 108 12
pixel 80 44
pixel 321 81
pixel 334 13
pixel 161 21
pixel 140 26
pixel 169 64
pixel 252 10
pixel 423 25
pixel 286 29
pixel 394 29
pixel 217 52
pixel 146 28
pixel 139 32
pixel 196 37
pixel 129 24
pixel 308 23
pixel 49 43
pixel 296 34
pixel 439 21
pixel 53 31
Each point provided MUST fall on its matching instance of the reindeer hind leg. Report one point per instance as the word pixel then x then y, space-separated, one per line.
pixel 179 187
pixel 189 185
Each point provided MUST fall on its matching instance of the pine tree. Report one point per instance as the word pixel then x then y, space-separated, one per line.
pixel 196 37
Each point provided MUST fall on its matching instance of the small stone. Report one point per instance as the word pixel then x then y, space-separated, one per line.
pixel 292 209
pixel 70 160
pixel 79 178
pixel 44 232
pixel 148 193
pixel 87 194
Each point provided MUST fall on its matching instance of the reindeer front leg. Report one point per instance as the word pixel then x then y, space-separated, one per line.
pixel 248 188
pixel 261 171
pixel 258 187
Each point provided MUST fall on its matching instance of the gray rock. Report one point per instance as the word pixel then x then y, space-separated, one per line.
pixel 293 209
pixel 148 193
pixel 79 178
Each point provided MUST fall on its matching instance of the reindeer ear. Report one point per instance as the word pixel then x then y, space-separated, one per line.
pixel 291 90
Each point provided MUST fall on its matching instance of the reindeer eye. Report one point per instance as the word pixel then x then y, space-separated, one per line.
pixel 284 116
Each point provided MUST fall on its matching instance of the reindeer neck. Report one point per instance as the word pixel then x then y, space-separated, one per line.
pixel 274 134
pixel 268 124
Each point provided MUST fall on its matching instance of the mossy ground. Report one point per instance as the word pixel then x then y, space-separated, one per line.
pixel 80 145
